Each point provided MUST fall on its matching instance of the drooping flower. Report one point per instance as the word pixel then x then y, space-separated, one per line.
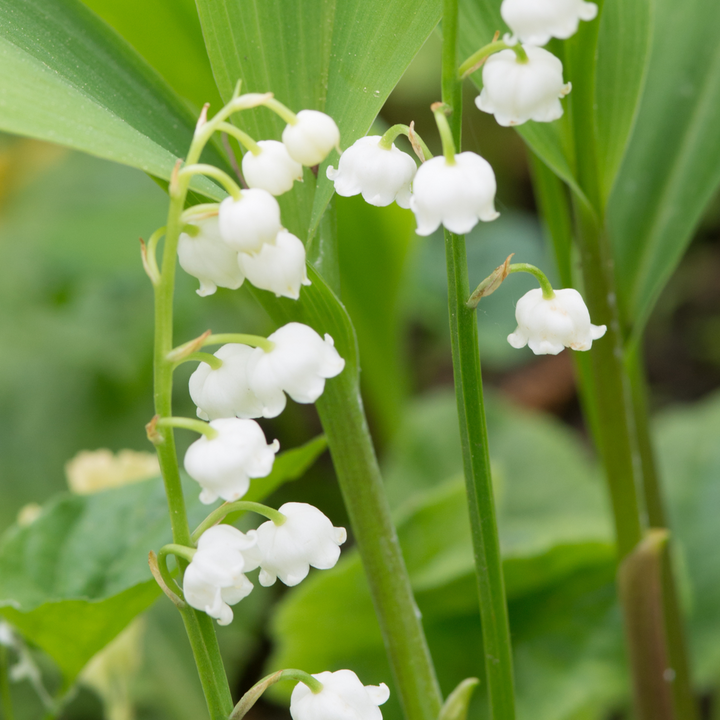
pixel 343 697
pixel 380 174
pixel 272 169
pixel 208 258
pixel 248 223
pixel 549 325
pixel 224 465
pixel 278 267
pixel 536 21
pixel 515 92
pixel 215 577
pixel 225 393
pixel 456 196
pixel 307 537
pixel 311 138
pixel 298 365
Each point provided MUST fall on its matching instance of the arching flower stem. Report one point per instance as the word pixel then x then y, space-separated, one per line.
pixel 222 177
pixel 197 426
pixel 251 340
pixel 548 292
pixel 219 514
pixel 392 133
pixel 256 691
pixel 214 362
pixel 446 134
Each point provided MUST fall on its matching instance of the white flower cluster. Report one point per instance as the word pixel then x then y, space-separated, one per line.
pixel 246 239
pixel 216 577
pixel 528 85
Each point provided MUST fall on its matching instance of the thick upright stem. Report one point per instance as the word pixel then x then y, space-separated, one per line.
pixel 473 430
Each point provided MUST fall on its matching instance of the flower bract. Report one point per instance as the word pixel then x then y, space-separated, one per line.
pixel 306 538
pixel 311 138
pixel 215 577
pixel 208 258
pixel 536 21
pixel 549 325
pixel 456 196
pixel 272 169
pixel 298 365
pixel 381 175
pixel 343 697
pixel 224 465
pixel 225 393
pixel 279 267
pixel 246 224
pixel 515 92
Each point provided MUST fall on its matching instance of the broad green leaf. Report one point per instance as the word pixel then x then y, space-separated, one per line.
pixel 168 35
pixel 69 79
pixel 672 167
pixel 342 57
pixel 74 578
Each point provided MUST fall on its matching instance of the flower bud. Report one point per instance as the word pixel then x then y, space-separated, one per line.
pixel 278 267
pixel 215 578
pixel 549 325
pixel 311 138
pixel 272 169
pixel 209 259
pixel 536 21
pixel 224 465
pixel 455 195
pixel 343 697
pixel 307 537
pixel 298 365
pixel 516 92
pixel 380 174
pixel 225 393
pixel 246 224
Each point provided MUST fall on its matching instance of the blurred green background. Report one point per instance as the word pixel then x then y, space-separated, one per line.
pixel 76 373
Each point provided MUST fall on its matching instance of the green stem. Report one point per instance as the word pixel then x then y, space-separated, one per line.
pixel 199 212
pixel 474 62
pixel 179 551
pixel 220 513
pixel 7 706
pixel 547 289
pixel 246 141
pixel 279 109
pixel 343 420
pixel 391 134
pixel 446 135
pixel 251 340
pixel 473 429
pixel 233 189
pixel 197 426
pixel 214 362
pixel 201 634
pixel 255 692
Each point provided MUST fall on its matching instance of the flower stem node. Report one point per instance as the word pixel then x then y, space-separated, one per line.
pixel 224 465
pixel 246 224
pixel 225 392
pixel 536 21
pixel 380 174
pixel 515 92
pixel 456 196
pixel 298 365
pixel 278 267
pixel 548 325
pixel 307 537
pixel 343 697
pixel 311 137
pixel 215 577
pixel 208 258
pixel 272 169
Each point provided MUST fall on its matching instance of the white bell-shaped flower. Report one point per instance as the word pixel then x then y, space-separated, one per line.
pixel 456 196
pixel 224 465
pixel 515 92
pixel 307 537
pixel 536 21
pixel 298 365
pixel 272 169
pixel 343 697
pixel 215 577
pixel 278 267
pixel 380 174
pixel 225 393
pixel 250 222
pixel 311 138
pixel 549 325
pixel 208 258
